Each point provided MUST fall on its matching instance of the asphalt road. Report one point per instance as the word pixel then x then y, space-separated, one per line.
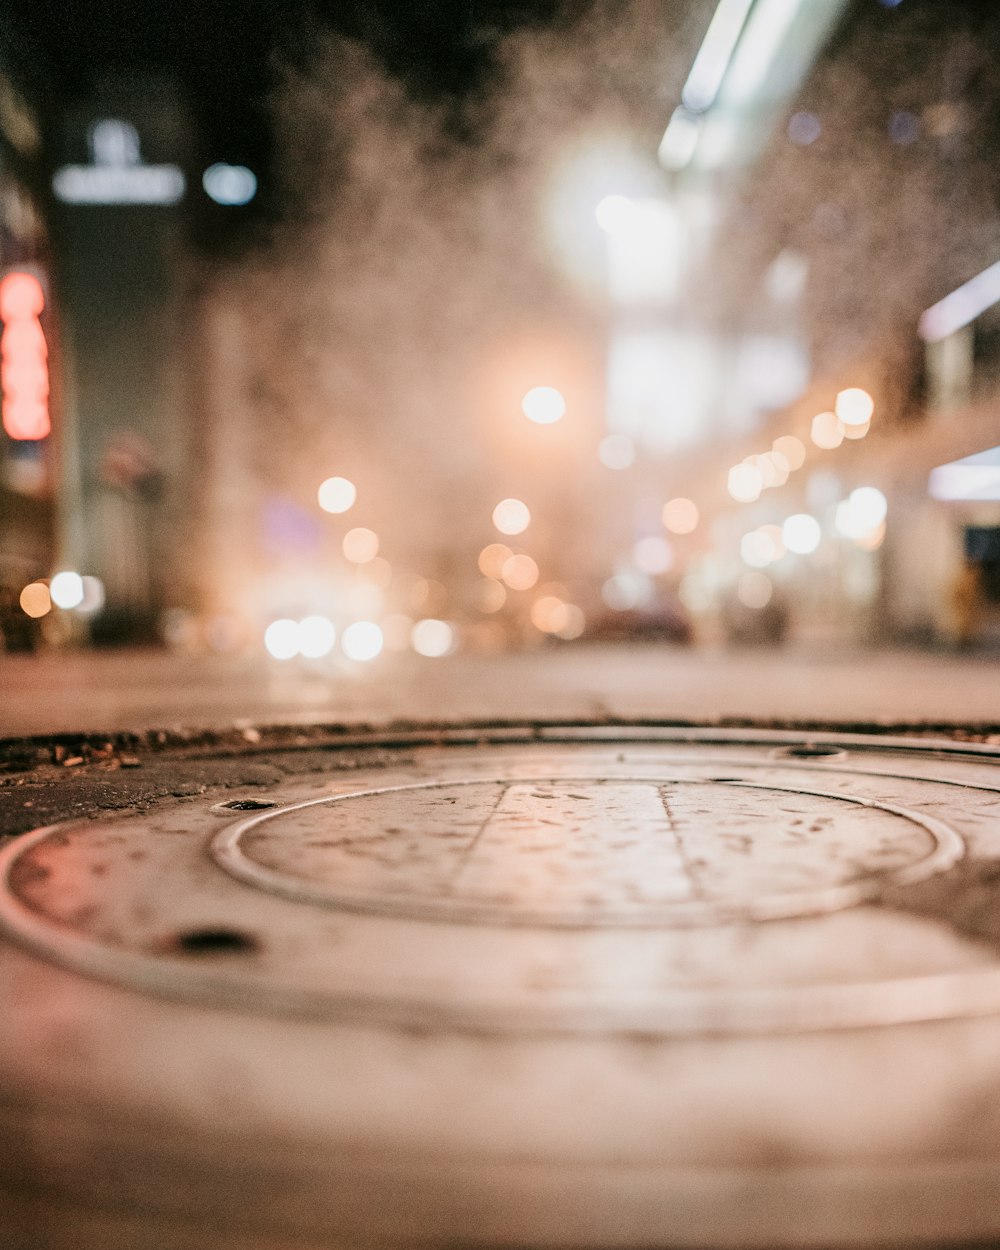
pixel 138 690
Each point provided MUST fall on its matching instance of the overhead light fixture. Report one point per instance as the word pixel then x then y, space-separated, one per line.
pixel 969 480
pixel 679 140
pixel 962 306
pixel 714 55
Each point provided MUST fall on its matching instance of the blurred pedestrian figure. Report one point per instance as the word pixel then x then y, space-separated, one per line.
pixel 965 605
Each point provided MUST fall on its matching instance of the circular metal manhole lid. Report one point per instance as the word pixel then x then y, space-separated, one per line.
pixel 668 887
pixel 588 850
pixel 593 988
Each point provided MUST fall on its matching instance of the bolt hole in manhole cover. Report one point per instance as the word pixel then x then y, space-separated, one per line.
pixel 806 751
pixel 588 988
pixel 213 941
pixel 242 805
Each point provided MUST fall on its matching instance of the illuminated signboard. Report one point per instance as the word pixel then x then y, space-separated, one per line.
pixel 117 174
pixel 24 366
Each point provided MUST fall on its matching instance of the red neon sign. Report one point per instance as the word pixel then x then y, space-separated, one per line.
pixel 24 364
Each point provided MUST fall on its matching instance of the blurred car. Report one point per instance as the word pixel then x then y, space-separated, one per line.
pixel 662 623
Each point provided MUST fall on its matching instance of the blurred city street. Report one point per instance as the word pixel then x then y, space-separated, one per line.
pixel 153 689
pixel 500 625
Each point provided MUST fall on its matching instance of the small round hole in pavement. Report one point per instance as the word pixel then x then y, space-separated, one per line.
pixel 214 942
pixel 244 805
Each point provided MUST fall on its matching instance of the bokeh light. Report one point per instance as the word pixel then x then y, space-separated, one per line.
pixel 492 558
pixel 801 533
pixel 854 406
pixel 768 468
pixel 21 297
pixel 66 589
pixel 826 431
pixel 316 636
pixel 625 591
pixel 615 214
pixel 231 185
pixel 745 483
pixel 362 641
pixel 861 513
pixel 574 624
pixel 520 572
pixel 544 405
pixel 93 595
pixel 35 599
pixel 428 597
pixel 489 594
pixel 873 539
pixel 616 451
pixel 360 545
pixel 680 515
pixel 511 516
pixel 281 638
pixel 869 505
pixel 773 534
pixel 548 614
pixel 792 449
pixel 25 365
pixel 779 470
pixel 337 494
pixel 758 549
pixel 754 590
pixel 804 128
pixel 904 127
pixel 653 555
pixel 432 638
pixel 695 593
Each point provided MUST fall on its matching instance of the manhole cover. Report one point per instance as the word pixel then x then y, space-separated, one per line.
pixel 537 975
pixel 588 851
pixel 514 887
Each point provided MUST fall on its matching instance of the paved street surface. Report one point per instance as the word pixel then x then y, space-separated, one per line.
pixel 106 691
pixel 568 991
pixel 522 989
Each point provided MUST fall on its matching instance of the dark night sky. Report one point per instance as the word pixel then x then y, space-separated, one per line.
pixel 224 51
pixel 226 56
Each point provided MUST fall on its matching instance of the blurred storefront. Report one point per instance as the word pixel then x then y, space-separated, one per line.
pixel 31 441
pixel 118 184
pixel 863 504
pixel 94 459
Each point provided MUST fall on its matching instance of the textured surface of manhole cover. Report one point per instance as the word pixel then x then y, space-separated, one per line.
pixel 588 850
pixel 599 988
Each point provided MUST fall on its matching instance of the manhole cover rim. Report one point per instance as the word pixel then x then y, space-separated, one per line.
pixel 227 851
